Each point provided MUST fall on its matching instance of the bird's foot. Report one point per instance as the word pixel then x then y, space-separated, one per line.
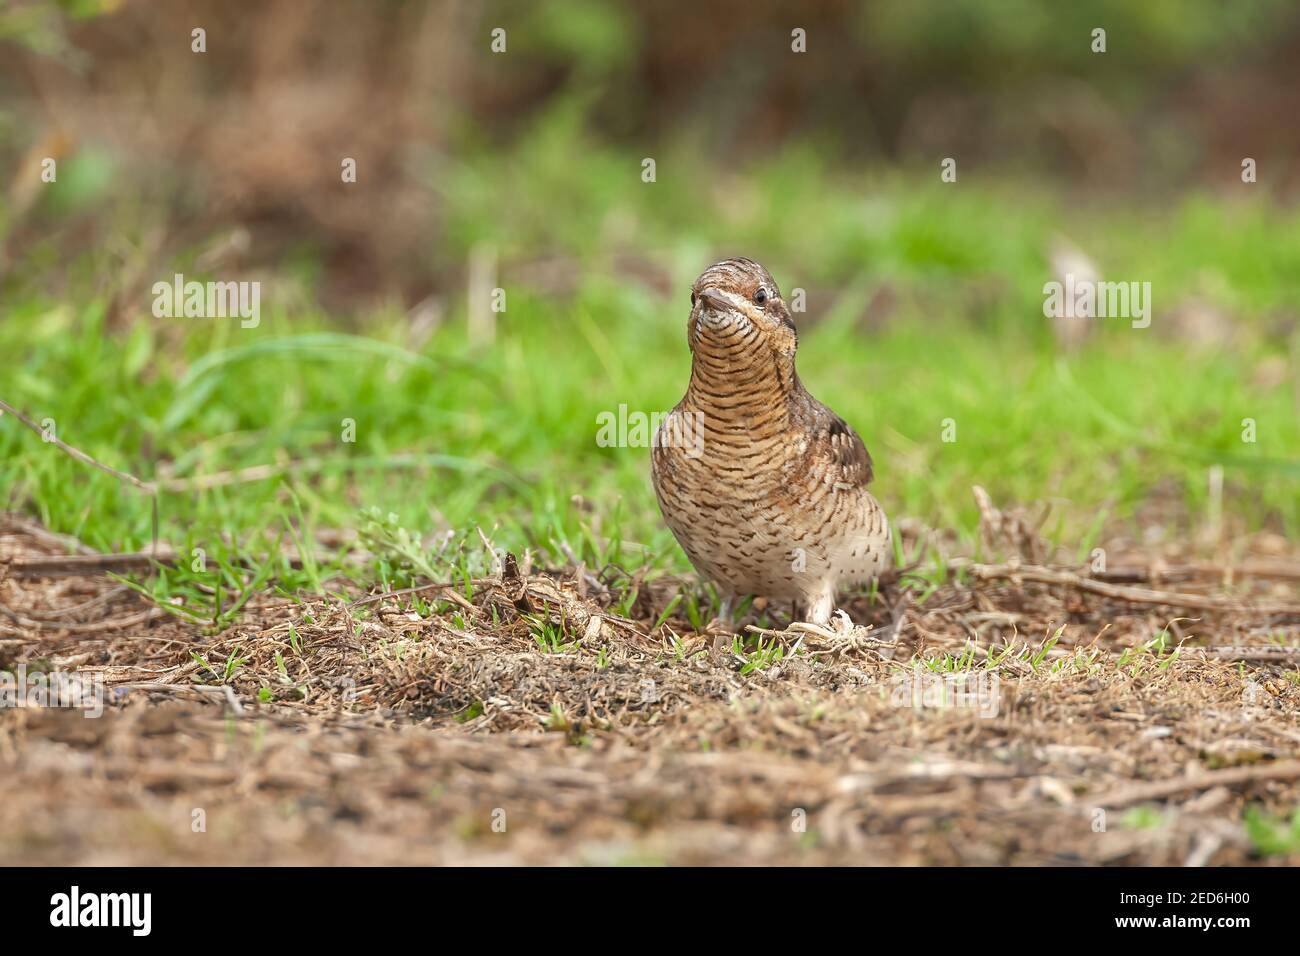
pixel 843 625
pixel 722 643
pixel 839 634
pixel 722 629
pixel 837 631
pixel 719 625
pixel 721 632
pixel 839 627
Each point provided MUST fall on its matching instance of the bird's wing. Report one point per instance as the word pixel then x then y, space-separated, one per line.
pixel 835 442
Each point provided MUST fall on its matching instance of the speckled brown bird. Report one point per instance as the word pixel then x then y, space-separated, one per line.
pixel 764 487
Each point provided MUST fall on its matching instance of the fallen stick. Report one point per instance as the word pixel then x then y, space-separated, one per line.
pixel 313 465
pixel 104 597
pixel 1282 570
pixel 222 690
pixel 1133 595
pixel 1239 653
pixel 450 587
pixel 92 627
pixel 17 524
pixel 1233 776
pixel 73 565
pixel 146 486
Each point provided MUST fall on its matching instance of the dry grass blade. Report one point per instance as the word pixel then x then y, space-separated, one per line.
pixel 145 486
pixel 1232 777
pixel 1070 579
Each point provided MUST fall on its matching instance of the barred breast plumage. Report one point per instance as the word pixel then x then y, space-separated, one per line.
pixel 764 487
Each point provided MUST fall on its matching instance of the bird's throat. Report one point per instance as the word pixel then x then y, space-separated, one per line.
pixel 741 388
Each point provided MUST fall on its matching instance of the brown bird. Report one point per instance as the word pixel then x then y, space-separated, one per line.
pixel 764 487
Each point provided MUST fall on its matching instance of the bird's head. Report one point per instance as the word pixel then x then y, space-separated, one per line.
pixel 737 310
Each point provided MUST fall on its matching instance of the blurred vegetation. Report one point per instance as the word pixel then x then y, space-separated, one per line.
pixel 168 147
pixel 924 299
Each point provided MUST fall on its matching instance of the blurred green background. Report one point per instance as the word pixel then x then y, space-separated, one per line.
pixel 523 170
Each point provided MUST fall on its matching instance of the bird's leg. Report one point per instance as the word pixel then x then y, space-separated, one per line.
pixel 723 627
pixel 724 621
pixel 819 605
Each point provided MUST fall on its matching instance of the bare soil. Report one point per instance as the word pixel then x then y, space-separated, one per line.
pixel 365 733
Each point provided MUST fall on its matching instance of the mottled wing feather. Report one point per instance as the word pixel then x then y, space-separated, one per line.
pixel 839 444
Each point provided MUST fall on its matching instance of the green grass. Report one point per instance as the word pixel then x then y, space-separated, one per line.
pixel 450 438
pixel 1270 835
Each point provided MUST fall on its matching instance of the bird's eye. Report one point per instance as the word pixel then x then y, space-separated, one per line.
pixel 760 296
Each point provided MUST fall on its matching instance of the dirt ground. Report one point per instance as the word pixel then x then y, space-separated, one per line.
pixel 360 732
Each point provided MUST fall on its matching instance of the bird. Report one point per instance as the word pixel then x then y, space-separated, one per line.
pixel 763 486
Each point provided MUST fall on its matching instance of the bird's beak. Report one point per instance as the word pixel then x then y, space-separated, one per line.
pixel 713 298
